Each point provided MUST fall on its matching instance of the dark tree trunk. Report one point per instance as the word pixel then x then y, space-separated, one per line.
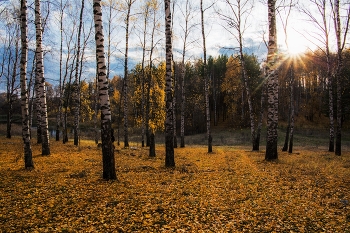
pixel 152 147
pixel 286 140
pixel 28 158
pixel 9 120
pixel 169 130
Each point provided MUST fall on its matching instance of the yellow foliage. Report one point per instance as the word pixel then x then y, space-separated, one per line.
pixel 230 190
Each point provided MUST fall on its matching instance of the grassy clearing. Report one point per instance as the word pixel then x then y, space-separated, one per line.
pixel 230 190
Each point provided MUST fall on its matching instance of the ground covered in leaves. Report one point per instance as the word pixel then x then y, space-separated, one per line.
pixel 230 190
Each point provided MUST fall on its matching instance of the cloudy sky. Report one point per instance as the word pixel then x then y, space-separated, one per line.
pixel 300 33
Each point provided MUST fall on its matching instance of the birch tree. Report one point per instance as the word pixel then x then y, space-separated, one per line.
pixel 129 4
pixel 341 32
pixel 146 8
pixel 321 35
pixel 28 158
pixel 290 73
pixel 186 29
pixel 154 6
pixel 9 65
pixel 206 79
pixel 169 130
pixel 76 102
pixel 272 85
pixel 61 84
pixel 106 123
pixel 235 19
pixel 41 94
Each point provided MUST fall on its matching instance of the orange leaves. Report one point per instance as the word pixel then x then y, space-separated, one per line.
pixel 228 190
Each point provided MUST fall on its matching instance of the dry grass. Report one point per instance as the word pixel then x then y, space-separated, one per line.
pixel 230 190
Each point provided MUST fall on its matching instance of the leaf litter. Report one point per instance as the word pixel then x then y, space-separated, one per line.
pixel 230 190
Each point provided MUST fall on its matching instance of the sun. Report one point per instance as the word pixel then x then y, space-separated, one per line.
pixel 296 45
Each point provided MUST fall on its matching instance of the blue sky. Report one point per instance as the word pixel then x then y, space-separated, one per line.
pixel 217 37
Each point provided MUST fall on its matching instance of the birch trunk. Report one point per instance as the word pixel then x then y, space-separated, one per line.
pixel 76 85
pixel 340 46
pixel 125 93
pixel 272 85
pixel 174 105
pixel 183 102
pixel 148 96
pixel 11 80
pixel 143 108
pixel 41 81
pixel 206 82
pixel 261 115
pixel 106 124
pixel 61 85
pixel 291 129
pixel 28 158
pixel 286 140
pixel 169 130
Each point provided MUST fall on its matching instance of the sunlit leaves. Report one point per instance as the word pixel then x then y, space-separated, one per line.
pixel 228 190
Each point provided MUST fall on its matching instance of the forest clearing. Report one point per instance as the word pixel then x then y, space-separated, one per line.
pixel 230 190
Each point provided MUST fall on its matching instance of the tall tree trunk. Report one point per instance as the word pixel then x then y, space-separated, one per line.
pixel 9 114
pixel 76 102
pixel 329 77
pixel 169 130
pixel 340 46
pixel 149 81
pixel 261 115
pixel 174 81
pixel 28 158
pixel 41 81
pixel 125 93
pixel 11 85
pixel 183 100
pixel 206 82
pixel 291 130
pixel 31 96
pixel 272 85
pixel 60 85
pixel 174 105
pixel 106 123
pixel 152 146
pixel 286 139
pixel 143 108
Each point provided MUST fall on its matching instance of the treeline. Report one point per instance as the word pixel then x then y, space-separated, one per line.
pixel 228 103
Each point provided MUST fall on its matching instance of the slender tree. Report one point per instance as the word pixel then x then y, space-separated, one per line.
pixel 272 85
pixel 341 38
pixel 143 109
pixel 292 111
pixel 10 72
pixel 186 28
pixel 290 73
pixel 322 35
pixel 129 3
pixel 237 16
pixel 150 83
pixel 169 130
pixel 206 80
pixel 28 158
pixel 41 81
pixel 60 85
pixel 76 103
pixel 106 123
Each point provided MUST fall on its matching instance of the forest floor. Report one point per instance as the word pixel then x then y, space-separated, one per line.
pixel 230 190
